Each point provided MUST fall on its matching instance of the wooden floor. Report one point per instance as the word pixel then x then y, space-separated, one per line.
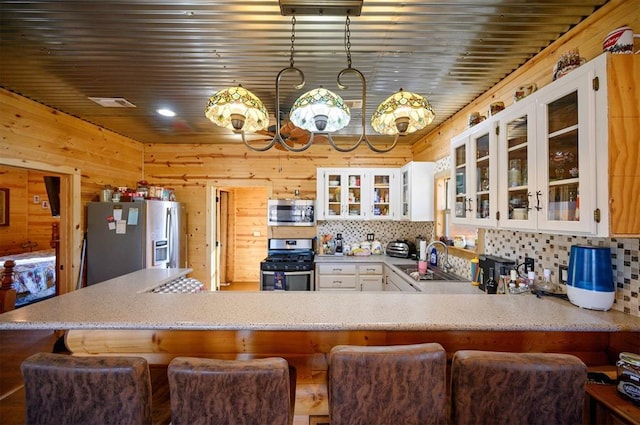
pixel 241 286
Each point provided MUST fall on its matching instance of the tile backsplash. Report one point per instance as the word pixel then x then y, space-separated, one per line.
pixel 551 251
pixel 384 231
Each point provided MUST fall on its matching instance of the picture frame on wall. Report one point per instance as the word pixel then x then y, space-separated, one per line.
pixel 4 207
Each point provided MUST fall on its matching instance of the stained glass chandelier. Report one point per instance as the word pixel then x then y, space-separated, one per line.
pixel 319 111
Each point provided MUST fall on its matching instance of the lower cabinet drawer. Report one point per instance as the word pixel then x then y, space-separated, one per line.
pixel 337 282
pixel 333 269
pixel 370 269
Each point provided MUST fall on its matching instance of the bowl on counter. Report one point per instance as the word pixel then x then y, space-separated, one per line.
pixel 459 241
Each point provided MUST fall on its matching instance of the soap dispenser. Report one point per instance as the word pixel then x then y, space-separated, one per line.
pixel 433 257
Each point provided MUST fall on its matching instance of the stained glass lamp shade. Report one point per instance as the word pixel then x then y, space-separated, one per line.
pixel 402 112
pixel 320 110
pixel 238 109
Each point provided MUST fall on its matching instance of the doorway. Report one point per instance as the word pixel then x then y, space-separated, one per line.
pixel 238 236
pixel 70 218
pixel 222 213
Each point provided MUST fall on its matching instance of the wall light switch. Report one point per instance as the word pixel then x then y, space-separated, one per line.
pixel 256 233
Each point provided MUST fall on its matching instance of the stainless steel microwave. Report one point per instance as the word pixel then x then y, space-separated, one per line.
pixel 291 212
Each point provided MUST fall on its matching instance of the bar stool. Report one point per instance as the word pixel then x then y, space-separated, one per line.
pixel 212 391
pixel 517 388
pixel 403 384
pixel 62 389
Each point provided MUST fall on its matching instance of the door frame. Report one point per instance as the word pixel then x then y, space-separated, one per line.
pixel 212 252
pixel 71 234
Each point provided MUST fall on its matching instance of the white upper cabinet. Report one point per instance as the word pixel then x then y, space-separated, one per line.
pixel 550 160
pixel 416 191
pixel 376 193
pixel 474 173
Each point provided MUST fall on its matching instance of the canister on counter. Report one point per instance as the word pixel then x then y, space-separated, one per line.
pixel 475 272
pixel 629 376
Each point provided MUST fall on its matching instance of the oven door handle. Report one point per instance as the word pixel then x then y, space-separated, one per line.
pixel 298 273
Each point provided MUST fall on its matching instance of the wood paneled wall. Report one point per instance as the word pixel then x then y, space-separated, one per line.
pixel 31 132
pixel 29 222
pixel 192 172
pixel 586 37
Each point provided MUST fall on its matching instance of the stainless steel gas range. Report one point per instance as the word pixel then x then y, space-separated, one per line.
pixel 289 266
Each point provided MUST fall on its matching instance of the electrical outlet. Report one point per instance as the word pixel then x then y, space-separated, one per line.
pixel 563 274
pixel 371 237
pixel 528 264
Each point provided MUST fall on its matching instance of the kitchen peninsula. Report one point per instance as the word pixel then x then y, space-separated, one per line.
pixel 122 316
pixel 127 302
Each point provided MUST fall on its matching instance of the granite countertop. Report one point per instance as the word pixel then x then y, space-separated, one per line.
pixel 125 303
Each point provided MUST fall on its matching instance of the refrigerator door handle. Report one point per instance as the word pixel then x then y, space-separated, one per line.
pixel 169 235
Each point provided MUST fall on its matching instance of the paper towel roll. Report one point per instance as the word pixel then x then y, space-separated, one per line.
pixel 423 251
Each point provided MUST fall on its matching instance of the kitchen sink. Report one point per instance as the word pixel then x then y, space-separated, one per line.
pixel 433 273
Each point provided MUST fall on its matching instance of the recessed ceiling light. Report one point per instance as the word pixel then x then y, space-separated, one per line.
pixel 166 112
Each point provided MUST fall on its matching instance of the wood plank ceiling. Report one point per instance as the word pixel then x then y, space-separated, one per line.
pixel 175 54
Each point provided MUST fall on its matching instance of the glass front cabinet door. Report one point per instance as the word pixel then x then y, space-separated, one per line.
pixel 382 193
pixel 343 194
pixel 518 196
pixel 566 151
pixel 474 171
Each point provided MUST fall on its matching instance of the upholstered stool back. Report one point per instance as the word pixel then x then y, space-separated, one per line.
pixel 62 389
pixel 517 388
pixel 210 391
pixel 403 384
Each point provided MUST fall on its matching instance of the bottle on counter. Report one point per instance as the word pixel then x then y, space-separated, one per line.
pixel 491 286
pixel 503 282
pixel 531 280
pixel 513 282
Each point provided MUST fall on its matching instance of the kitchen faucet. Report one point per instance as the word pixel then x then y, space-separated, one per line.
pixel 445 261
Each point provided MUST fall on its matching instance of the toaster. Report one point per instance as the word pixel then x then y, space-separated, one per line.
pixel 401 249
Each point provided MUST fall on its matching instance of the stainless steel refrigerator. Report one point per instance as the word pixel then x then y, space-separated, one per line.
pixel 129 236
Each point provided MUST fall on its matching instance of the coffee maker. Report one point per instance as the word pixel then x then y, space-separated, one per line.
pixel 498 264
pixel 339 245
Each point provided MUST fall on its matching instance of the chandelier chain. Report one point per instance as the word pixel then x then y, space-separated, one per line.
pixel 293 39
pixel 347 36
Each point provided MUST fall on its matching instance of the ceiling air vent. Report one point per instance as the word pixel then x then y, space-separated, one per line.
pixel 113 102
pixel 320 7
